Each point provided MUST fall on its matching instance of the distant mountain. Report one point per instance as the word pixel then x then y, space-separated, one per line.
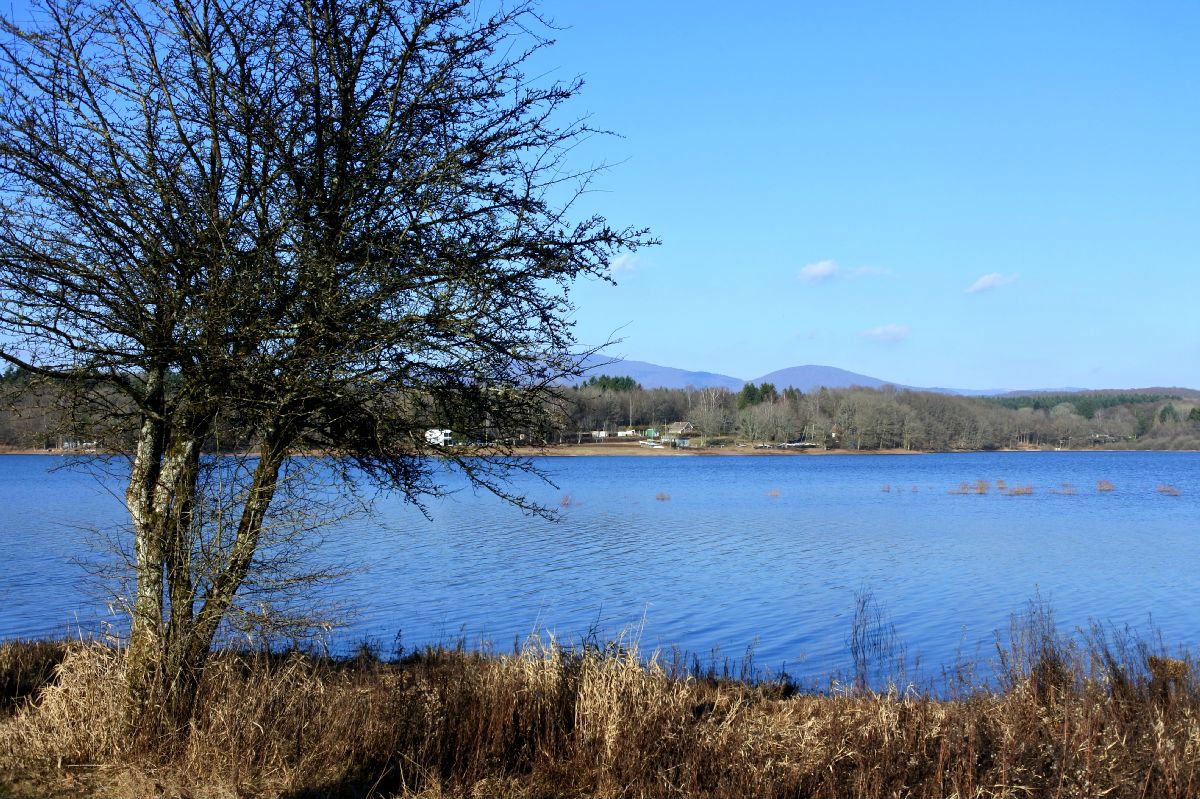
pixel 654 376
pixel 805 378
pixel 810 377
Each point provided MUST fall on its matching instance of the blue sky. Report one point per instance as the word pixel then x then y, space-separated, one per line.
pixel 831 181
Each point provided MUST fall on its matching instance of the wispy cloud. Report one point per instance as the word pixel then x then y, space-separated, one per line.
pixel 822 271
pixel 624 263
pixel 887 333
pixel 992 280
pixel 819 271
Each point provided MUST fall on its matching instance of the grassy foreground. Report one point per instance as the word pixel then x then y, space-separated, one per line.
pixel 1090 717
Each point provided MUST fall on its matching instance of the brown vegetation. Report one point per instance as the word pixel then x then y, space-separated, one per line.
pixel 1170 491
pixel 773 493
pixel 1019 491
pixel 1104 485
pixel 662 496
pixel 1067 718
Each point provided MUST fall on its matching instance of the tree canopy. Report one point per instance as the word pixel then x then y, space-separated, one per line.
pixel 308 225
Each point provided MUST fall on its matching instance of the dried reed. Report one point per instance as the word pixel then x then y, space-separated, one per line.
pixel 1170 491
pixel 662 496
pixel 1104 485
pixel 1099 715
pixel 1019 491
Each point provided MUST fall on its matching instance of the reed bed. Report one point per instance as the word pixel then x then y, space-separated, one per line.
pixel 963 489
pixel 1065 489
pixel 566 501
pixel 662 496
pixel 1019 491
pixel 1098 715
pixel 982 486
pixel 1104 486
pixel 1168 490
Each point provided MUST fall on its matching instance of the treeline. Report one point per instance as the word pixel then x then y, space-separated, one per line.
pixel 42 415
pixel 889 418
pixel 1086 404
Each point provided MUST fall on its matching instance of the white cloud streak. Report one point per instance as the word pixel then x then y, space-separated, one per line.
pixel 819 272
pixel 887 333
pixel 992 280
pixel 623 264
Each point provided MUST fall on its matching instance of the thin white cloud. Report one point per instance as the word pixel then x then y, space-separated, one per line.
pixel 887 333
pixel 623 263
pixel 819 271
pixel 992 280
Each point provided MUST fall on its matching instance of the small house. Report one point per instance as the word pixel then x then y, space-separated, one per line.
pixel 439 437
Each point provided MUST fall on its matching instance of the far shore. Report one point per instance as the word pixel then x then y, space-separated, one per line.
pixel 633 448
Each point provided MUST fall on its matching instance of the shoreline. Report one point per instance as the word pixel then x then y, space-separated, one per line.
pixel 632 449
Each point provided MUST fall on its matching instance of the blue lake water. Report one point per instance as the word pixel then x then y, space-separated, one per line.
pixel 722 563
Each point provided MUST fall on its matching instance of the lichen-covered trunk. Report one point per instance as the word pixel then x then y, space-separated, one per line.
pixel 145 634
pixel 169 638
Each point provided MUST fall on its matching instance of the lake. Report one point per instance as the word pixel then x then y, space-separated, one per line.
pixel 765 551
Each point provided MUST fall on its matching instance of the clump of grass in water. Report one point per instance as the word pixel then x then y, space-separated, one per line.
pixel 1001 485
pixel 1064 489
pixel 1170 491
pixel 566 501
pixel 887 489
pixel 982 486
pixel 774 492
pixel 1019 491
pixel 963 488
pixel 1104 485
pixel 662 496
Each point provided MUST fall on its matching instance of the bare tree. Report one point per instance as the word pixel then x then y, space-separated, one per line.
pixel 711 411
pixel 310 225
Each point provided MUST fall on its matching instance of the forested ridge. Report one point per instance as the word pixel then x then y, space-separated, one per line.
pixel 889 418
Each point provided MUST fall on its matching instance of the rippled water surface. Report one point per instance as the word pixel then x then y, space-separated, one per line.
pixel 725 562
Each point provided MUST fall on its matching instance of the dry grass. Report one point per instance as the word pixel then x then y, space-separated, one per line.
pixel 1001 485
pixel 662 496
pixel 963 488
pixel 566 501
pixel 774 493
pixel 982 486
pixel 1170 491
pixel 1019 491
pixel 1065 489
pixel 1067 718
pixel 25 666
pixel 1104 485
